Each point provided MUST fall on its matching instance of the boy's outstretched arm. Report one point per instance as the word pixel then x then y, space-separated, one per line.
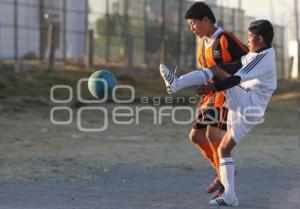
pixel 225 81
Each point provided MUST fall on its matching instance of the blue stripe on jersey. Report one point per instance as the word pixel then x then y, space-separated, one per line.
pixel 253 63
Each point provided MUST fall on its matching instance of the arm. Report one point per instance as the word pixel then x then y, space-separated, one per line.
pixel 225 84
pixel 228 83
pixel 219 73
pixel 232 67
pixel 223 81
pixel 258 67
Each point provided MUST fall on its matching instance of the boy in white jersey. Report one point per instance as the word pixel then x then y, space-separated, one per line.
pixel 248 93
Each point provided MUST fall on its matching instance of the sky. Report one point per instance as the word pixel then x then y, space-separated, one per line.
pixel 256 8
pixel 280 13
pixel 277 11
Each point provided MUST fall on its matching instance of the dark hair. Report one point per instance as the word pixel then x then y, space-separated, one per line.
pixel 198 11
pixel 263 28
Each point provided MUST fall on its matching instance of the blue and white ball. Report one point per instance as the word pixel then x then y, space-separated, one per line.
pixel 101 81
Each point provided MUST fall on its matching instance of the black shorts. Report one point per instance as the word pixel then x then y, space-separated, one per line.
pixel 213 116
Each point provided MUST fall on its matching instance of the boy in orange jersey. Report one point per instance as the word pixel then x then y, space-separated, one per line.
pixel 217 47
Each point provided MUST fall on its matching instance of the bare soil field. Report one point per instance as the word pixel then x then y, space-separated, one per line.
pixel 140 166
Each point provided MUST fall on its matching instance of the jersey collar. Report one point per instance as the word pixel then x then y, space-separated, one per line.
pixel 213 37
pixel 217 32
pixel 264 48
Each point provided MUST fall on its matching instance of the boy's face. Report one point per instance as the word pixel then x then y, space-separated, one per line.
pixel 198 27
pixel 255 42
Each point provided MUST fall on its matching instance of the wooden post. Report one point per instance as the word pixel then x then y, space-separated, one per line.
pixel 162 39
pixel 146 32
pixel 64 26
pixel 107 34
pixel 180 5
pixel 0 42
pixel 129 50
pixel 16 37
pixel 89 49
pixel 42 29
pixel 51 46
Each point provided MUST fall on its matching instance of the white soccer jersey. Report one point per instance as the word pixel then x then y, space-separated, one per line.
pixel 258 81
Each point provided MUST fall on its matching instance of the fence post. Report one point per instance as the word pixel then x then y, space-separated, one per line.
pixel 16 46
pixel 89 49
pixel 107 35
pixel 163 39
pixel 145 32
pixel 42 29
pixel 64 31
pixel 178 58
pixel 0 43
pixel 51 46
pixel 129 50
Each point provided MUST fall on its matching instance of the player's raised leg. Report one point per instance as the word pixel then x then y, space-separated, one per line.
pixel 194 78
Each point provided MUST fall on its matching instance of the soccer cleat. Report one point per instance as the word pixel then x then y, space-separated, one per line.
pixel 213 186
pixel 219 193
pixel 222 201
pixel 169 78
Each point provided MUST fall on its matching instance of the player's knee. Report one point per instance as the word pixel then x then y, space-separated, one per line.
pixel 223 151
pixel 194 138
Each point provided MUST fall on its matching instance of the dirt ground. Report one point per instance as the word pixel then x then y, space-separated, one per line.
pixel 141 166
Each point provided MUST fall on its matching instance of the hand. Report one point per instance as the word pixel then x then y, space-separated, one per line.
pixel 214 67
pixel 206 89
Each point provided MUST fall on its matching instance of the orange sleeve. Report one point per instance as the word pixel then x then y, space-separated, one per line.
pixel 224 47
pixel 199 52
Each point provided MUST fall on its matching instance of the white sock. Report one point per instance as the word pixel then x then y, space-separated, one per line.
pixel 227 176
pixel 194 78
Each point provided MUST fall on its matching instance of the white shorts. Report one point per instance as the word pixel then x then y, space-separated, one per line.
pixel 237 125
pixel 239 120
pixel 237 99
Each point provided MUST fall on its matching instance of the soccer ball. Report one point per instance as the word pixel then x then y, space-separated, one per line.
pixel 101 84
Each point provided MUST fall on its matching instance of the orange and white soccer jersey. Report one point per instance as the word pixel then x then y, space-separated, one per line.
pixel 224 48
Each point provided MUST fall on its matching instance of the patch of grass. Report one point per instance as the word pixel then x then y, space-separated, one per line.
pixel 36 84
pixel 33 86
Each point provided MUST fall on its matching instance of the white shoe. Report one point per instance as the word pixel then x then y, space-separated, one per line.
pixel 223 201
pixel 169 78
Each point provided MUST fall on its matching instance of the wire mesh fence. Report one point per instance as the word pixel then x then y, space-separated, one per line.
pixel 139 33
